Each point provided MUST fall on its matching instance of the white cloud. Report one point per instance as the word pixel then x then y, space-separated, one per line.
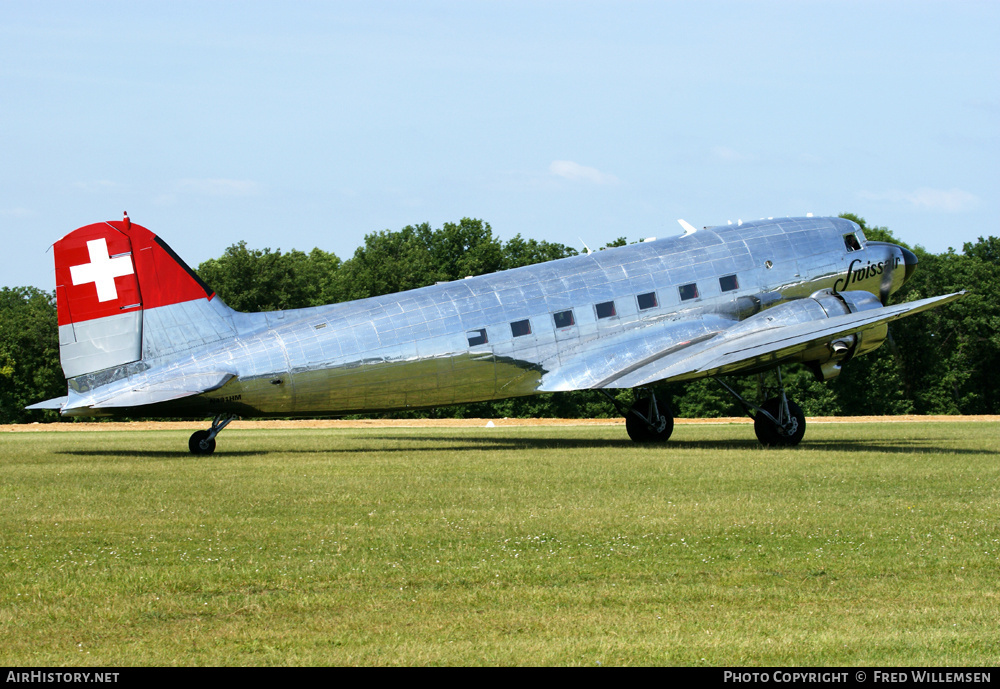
pixel 950 200
pixel 728 155
pixel 575 172
pixel 218 187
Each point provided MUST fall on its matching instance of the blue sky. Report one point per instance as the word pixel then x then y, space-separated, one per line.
pixel 294 125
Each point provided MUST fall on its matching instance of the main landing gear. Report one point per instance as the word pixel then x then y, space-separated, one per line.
pixel 778 421
pixel 203 442
pixel 647 421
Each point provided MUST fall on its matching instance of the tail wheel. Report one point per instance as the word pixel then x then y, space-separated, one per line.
pixel 789 429
pixel 201 443
pixel 646 423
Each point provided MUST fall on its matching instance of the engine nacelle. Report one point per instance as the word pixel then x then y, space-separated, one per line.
pixel 826 359
pixel 871 339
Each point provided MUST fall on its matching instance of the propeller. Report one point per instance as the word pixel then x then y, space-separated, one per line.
pixel 885 287
pixel 909 265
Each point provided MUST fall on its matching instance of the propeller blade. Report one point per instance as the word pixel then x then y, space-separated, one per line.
pixel 885 287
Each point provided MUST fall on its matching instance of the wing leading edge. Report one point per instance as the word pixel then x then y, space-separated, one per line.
pixel 715 353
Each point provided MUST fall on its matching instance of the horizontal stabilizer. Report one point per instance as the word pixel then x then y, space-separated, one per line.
pixel 160 391
pixel 56 403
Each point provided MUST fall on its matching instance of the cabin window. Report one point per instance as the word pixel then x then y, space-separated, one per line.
pixel 647 301
pixel 477 337
pixel 563 319
pixel 606 309
pixel 688 291
pixel 728 283
pixel 520 328
pixel 851 242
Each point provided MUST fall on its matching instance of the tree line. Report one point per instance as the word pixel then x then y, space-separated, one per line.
pixel 943 361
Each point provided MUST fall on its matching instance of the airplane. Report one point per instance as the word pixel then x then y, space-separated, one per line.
pixel 140 334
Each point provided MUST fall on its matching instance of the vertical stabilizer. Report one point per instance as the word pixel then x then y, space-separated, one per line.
pixel 123 295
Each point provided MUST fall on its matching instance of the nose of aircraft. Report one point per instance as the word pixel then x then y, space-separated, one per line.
pixel 910 261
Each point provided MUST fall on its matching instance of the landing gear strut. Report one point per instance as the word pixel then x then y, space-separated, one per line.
pixel 203 442
pixel 778 422
pixel 647 421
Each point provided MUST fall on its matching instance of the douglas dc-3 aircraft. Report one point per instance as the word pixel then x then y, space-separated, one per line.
pixel 141 335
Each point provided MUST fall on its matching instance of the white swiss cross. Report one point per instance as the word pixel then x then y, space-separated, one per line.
pixel 102 270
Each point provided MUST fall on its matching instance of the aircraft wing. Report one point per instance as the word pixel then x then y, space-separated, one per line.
pixel 713 353
pixel 598 363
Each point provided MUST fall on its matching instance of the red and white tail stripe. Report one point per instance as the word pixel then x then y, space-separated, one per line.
pixel 107 274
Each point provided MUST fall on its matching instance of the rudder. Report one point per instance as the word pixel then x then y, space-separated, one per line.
pixel 123 295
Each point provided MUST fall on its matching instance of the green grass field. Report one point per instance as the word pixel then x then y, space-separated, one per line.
pixel 870 544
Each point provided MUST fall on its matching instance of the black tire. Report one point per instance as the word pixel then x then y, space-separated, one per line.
pixel 769 434
pixel 640 432
pixel 201 444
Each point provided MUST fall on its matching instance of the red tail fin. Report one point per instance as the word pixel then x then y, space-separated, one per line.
pixel 108 268
pixel 106 275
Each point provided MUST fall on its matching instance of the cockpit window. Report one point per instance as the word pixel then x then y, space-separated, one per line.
pixel 851 241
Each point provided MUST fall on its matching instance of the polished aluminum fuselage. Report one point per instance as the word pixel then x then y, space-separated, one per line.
pixel 454 342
